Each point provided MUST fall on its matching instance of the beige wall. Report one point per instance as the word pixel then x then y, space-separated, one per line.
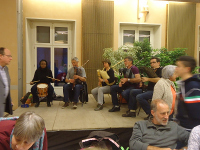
pixel 126 11
pixel 53 9
pixel 8 39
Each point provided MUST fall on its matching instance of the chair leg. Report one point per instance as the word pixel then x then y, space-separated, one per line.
pixel 139 111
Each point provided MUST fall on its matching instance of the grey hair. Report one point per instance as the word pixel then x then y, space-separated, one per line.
pixel 155 102
pixel 168 71
pixel 29 126
pixel 75 58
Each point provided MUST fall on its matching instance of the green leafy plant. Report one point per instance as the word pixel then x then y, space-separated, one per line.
pixel 142 53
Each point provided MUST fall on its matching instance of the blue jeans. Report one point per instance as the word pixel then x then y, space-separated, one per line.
pixel 35 93
pixel 72 93
pixel 143 100
pixel 115 89
pixel 132 104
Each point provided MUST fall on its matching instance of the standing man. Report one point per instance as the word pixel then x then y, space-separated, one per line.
pixel 131 80
pixel 5 99
pixel 142 98
pixel 75 76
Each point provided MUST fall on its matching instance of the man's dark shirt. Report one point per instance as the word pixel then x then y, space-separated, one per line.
pixel 152 84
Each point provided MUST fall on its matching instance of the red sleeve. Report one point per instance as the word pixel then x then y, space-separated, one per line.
pixel 45 142
pixel 6 127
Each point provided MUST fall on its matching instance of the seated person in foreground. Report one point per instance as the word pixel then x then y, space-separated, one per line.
pixel 104 85
pixel 165 88
pixel 27 132
pixel 157 133
pixel 71 90
pixel 41 76
pixel 138 95
pixel 131 80
pixel 194 140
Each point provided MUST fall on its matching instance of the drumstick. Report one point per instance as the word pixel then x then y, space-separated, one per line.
pixel 52 78
pixel 33 81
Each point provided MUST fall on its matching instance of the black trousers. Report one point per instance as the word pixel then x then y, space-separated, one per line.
pixel 35 93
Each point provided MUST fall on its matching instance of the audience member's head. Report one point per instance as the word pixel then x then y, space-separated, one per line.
pixel 168 72
pixel 5 56
pixel 185 65
pixel 28 129
pixel 160 112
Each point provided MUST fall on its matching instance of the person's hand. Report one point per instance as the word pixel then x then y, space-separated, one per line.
pixel 124 80
pixel 53 79
pixel 100 80
pixel 76 76
pixel 120 84
pixel 31 83
pixel 140 84
pixel 71 80
pixel 145 79
pixel 12 103
pixel 99 83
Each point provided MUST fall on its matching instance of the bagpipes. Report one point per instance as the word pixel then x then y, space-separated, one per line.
pixel 103 74
pixel 78 71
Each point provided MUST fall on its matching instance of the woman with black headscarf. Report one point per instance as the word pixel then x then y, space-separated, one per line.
pixel 42 75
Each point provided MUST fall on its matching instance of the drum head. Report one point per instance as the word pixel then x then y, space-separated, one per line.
pixel 42 85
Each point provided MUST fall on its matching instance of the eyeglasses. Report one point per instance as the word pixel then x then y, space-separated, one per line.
pixel 153 62
pixel 9 56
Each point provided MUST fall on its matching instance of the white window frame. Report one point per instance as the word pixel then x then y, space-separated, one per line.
pixel 137 29
pixel 31 44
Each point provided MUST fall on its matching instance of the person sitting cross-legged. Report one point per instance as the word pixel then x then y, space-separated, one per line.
pixel 131 80
pixel 157 133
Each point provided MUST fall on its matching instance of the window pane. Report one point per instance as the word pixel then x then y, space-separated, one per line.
pixel 44 53
pixel 60 65
pixel 128 37
pixel 61 35
pixel 43 34
pixel 144 34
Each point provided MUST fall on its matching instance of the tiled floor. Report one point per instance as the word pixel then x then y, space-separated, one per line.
pixel 83 117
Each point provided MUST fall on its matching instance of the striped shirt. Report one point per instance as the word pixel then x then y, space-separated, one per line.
pixel 5 80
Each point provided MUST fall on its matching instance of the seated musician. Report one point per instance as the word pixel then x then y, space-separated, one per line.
pixel 42 75
pixel 157 133
pixel 142 98
pixel 103 87
pixel 71 90
pixel 24 133
pixel 131 80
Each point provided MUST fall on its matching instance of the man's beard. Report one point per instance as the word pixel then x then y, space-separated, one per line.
pixel 160 120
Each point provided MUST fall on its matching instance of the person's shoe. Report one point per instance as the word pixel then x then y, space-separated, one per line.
pixel 127 111
pixel 65 105
pixel 99 107
pixel 48 104
pixel 74 105
pixel 114 109
pixel 147 118
pixel 129 114
pixel 37 104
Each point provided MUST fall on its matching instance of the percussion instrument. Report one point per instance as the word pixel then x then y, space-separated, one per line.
pixel 42 89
